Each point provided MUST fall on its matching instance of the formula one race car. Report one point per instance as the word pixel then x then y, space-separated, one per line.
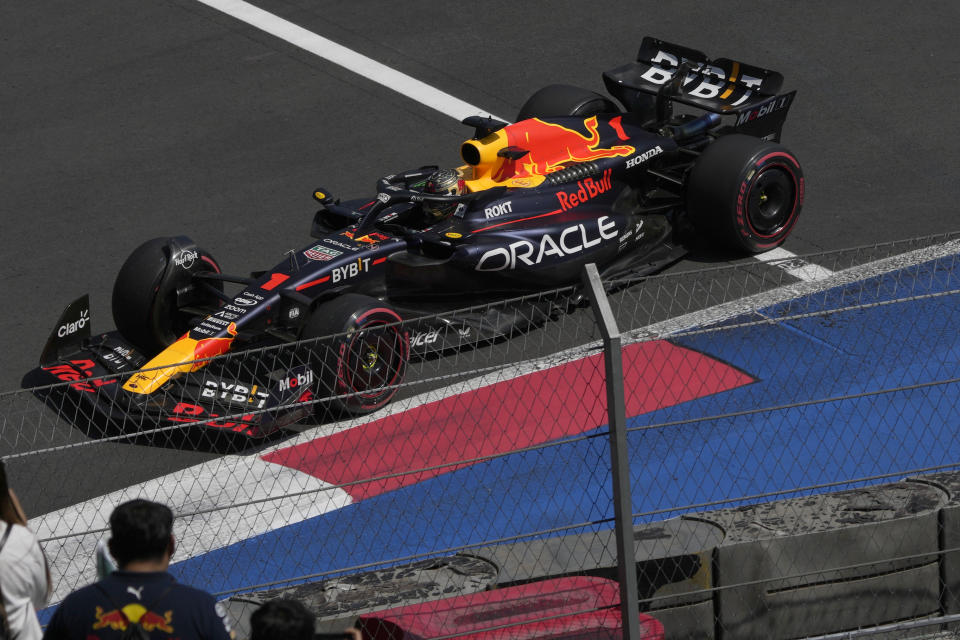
pixel 576 180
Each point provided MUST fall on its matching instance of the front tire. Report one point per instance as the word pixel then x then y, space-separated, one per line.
pixel 363 366
pixel 747 192
pixel 147 309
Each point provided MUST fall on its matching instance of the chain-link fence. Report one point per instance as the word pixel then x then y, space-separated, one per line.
pixel 771 412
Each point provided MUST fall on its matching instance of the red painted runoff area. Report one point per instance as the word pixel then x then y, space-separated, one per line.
pixel 569 399
pixel 573 607
pixel 838 398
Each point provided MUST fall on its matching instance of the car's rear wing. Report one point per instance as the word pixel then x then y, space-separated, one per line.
pixel 749 94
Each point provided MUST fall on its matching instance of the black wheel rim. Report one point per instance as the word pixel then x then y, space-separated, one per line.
pixel 373 359
pixel 771 203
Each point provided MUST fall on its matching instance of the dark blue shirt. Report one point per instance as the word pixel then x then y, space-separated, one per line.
pixel 166 609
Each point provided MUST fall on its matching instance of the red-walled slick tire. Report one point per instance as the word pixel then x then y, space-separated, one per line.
pixel 362 367
pixel 745 192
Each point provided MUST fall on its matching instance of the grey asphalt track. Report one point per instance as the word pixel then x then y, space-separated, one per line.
pixel 124 121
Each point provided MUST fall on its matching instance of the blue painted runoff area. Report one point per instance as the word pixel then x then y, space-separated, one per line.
pixel 828 406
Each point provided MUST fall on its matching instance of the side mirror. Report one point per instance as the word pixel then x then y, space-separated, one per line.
pixel 322 196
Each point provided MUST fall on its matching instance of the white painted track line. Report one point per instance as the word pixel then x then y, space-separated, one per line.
pixel 348 59
pixel 232 498
pixel 421 92
pixel 796 267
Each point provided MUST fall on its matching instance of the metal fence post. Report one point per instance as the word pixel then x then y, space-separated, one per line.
pixel 620 465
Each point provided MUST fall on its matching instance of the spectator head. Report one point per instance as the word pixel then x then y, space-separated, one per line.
pixel 141 530
pixel 282 618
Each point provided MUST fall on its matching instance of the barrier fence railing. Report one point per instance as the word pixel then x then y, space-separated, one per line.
pixel 771 412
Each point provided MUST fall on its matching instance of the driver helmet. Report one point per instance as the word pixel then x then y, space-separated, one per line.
pixel 444 182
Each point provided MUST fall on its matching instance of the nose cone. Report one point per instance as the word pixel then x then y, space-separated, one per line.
pixel 177 359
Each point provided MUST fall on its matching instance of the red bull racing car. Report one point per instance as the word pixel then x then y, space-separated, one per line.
pixel 685 148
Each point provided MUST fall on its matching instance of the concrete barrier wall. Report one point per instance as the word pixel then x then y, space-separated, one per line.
pixel 949 532
pixel 783 569
pixel 828 563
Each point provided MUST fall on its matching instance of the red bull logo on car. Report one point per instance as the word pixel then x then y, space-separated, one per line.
pixel 180 357
pixel 210 347
pixel 550 146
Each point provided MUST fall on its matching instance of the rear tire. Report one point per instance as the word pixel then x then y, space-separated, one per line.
pixel 363 368
pixel 144 303
pixel 745 191
pixel 559 100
